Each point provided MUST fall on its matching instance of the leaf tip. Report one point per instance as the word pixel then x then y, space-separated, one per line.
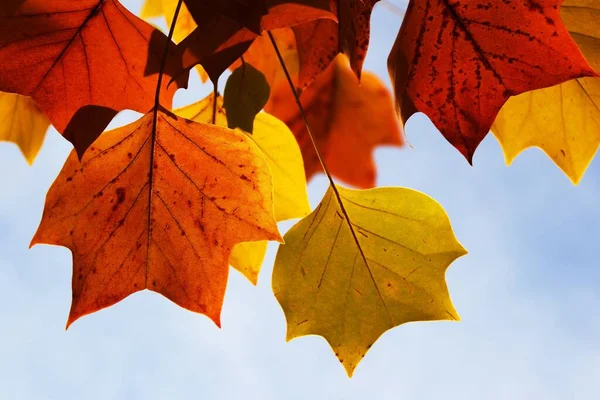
pixel 350 364
pixel 575 178
pixel 72 318
pixel 216 318
pixel 35 240
pixel 349 369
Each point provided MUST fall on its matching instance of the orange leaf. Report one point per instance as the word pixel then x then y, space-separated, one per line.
pixel 261 55
pixel 158 205
pixel 459 62
pixel 87 59
pixel 227 29
pixel 348 120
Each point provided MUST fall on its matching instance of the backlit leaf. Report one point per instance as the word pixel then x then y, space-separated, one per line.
pixel 227 29
pixel 563 120
pixel 350 286
pixel 262 56
pixel 158 205
pixel 459 61
pixel 285 162
pixel 248 259
pixel 185 22
pixel 166 8
pixel 320 41
pixel 348 119
pixel 23 123
pixel 62 53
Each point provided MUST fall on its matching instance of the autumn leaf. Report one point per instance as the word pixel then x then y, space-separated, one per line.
pixel 284 159
pixel 246 93
pixel 166 8
pixel 458 62
pixel 563 120
pixel 63 53
pixel 350 285
pixel 348 120
pixel 227 29
pixel 185 22
pixel 158 205
pixel 354 18
pixel 248 258
pixel 321 40
pixel 262 56
pixel 23 123
pixel 318 45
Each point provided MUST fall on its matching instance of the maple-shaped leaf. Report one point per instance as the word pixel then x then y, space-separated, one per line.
pixel 284 159
pixel 563 120
pixel 82 59
pixel 459 61
pixel 349 120
pixel 352 281
pixel 223 36
pixel 320 41
pixel 158 205
pixel 23 123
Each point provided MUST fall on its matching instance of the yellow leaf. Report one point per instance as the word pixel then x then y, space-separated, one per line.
pixel 185 22
pixel 248 257
pixel 563 120
pixel 23 123
pixel 352 286
pixel 152 9
pixel 284 159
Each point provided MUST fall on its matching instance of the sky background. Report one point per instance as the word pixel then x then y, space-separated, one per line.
pixel 528 293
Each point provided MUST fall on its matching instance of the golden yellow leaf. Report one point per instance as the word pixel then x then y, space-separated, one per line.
pixel 352 286
pixel 563 120
pixel 23 123
pixel 284 159
pixel 248 257
pixel 152 9
pixel 185 22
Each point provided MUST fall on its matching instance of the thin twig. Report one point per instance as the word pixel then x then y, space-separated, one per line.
pixel 215 96
pixel 301 108
pixel 165 56
pixel 322 161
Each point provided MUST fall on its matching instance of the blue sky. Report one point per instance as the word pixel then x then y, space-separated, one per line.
pixel 528 294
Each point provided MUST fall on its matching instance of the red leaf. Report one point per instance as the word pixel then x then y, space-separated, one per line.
pixel 226 30
pixel 68 55
pixel 319 41
pixel 458 62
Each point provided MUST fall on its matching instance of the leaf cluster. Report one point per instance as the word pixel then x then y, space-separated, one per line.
pixel 172 200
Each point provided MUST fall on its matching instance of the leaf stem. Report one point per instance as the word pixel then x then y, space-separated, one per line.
pixel 322 161
pixel 165 56
pixel 154 125
pixel 301 108
pixel 214 108
pixel 312 137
